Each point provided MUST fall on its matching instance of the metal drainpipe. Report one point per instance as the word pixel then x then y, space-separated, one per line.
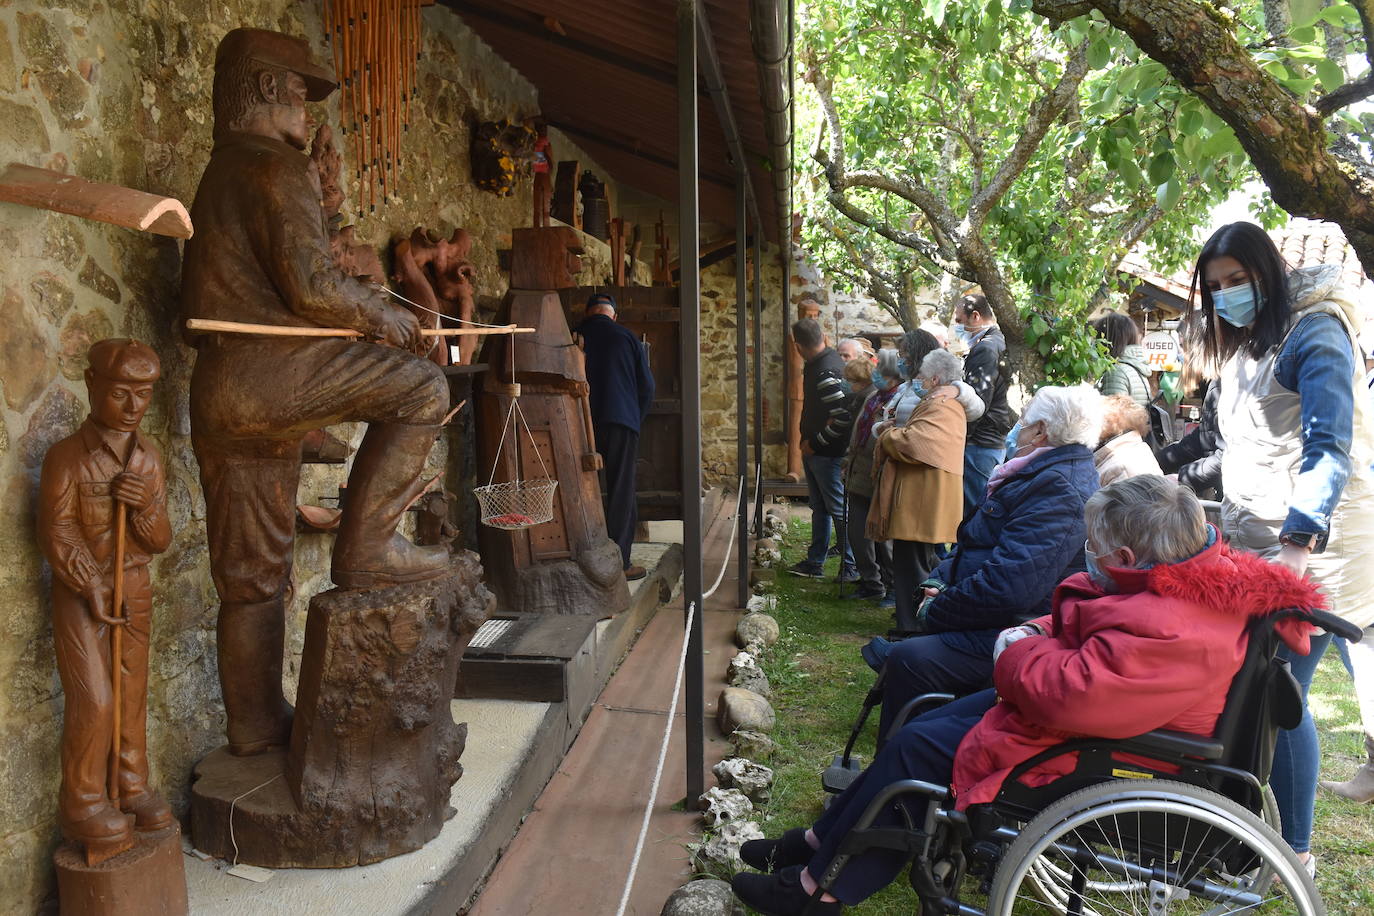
pixel 689 304
pixel 713 81
pixel 742 382
pixel 770 27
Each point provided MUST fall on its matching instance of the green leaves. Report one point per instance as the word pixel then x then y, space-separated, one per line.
pixel 1161 168
pixel 1330 74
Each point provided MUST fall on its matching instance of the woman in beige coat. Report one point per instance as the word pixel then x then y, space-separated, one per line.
pixel 918 501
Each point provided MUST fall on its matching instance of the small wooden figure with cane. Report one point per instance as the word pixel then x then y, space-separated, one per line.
pixel 102 517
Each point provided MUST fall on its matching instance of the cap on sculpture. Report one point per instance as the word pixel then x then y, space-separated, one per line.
pixel 278 50
pixel 120 359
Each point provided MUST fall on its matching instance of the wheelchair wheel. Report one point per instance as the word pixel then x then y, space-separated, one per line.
pixel 1151 847
pixel 1052 884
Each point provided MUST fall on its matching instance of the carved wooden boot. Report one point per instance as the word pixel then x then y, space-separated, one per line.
pixel 384 481
pixel 103 834
pixel 250 667
pixel 149 808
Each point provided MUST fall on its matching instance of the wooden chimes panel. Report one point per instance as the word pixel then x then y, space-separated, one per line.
pixel 377 47
pixel 548 541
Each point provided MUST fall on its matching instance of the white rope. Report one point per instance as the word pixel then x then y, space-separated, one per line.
pixel 662 756
pixel 231 812
pixel 734 526
pixel 393 293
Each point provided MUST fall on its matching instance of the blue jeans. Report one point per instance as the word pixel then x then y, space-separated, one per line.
pixel 1297 756
pixel 958 662
pixel 924 750
pixel 825 491
pixel 979 462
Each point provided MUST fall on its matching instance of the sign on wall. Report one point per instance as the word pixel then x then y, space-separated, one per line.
pixel 1162 351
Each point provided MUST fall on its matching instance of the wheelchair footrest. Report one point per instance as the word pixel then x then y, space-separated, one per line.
pixel 839 774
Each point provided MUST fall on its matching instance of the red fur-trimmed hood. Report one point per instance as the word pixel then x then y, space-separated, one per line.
pixel 1228 579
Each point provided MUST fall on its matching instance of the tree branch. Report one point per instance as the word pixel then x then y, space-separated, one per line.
pixel 1347 94
pixel 1043 113
pixel 1285 139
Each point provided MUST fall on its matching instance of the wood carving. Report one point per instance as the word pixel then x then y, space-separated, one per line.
pixel 263 258
pixel 500 151
pixel 375 751
pixel 102 517
pixel 439 276
pixel 617 241
pixel 108 203
pixel 542 166
pixel 596 210
pixel 564 207
pixel 663 272
pixel 567 565
pixel 355 259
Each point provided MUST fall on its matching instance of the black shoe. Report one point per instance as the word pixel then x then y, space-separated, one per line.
pixel 770 855
pixel 780 894
pixel 848 576
pixel 834 551
pixel 806 570
pixel 866 592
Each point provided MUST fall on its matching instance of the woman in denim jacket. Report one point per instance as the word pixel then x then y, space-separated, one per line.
pixel 1296 470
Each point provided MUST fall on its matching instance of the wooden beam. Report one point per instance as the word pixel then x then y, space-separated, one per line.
pixel 625 58
pixel 108 203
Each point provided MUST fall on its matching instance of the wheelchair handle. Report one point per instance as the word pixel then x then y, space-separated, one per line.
pixel 1332 624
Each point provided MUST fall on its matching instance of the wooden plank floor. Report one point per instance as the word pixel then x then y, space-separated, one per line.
pixel 572 854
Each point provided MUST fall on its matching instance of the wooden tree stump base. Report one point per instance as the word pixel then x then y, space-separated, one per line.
pixel 374 749
pixel 147 880
pixel 564 587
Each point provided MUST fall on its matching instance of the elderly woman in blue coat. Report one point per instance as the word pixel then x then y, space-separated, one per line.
pixel 1025 537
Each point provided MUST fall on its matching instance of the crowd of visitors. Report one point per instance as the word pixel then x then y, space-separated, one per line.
pixel 1046 569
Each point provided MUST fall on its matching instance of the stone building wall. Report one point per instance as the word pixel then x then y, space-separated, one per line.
pixel 119 91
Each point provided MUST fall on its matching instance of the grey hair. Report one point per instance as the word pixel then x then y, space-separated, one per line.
pixel 861 344
pixel 942 365
pixel 1159 520
pixel 1071 414
pixel 887 363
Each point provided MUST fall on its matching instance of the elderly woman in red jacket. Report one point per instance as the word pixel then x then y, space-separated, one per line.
pixel 1150 637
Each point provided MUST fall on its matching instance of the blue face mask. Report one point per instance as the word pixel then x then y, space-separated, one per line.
pixel 1010 441
pixel 878 381
pixel 964 333
pixel 919 389
pixel 1236 306
pixel 1098 575
pixel 903 368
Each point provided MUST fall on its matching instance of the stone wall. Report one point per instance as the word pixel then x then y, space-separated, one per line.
pixel 841 316
pixel 119 91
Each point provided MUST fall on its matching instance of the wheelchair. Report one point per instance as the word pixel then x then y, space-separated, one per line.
pixel 1173 829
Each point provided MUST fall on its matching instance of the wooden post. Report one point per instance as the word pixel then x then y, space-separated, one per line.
pixel 117 651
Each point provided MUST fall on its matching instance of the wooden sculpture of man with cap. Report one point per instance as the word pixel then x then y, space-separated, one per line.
pixel 261 255
pixel 102 497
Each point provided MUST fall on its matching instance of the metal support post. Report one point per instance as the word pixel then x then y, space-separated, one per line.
pixel 742 380
pixel 689 302
pixel 758 378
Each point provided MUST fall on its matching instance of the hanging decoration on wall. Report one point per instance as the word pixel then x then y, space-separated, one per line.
pixel 376 45
pixel 501 151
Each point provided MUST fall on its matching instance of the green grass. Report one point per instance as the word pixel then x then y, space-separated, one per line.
pixel 819 682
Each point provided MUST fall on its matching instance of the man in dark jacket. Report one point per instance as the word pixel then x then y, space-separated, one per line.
pixel 1196 458
pixel 621 391
pixel 828 410
pixel 1024 538
pixel 985 372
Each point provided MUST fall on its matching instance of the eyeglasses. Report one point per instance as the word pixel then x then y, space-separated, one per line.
pixel 1090 552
